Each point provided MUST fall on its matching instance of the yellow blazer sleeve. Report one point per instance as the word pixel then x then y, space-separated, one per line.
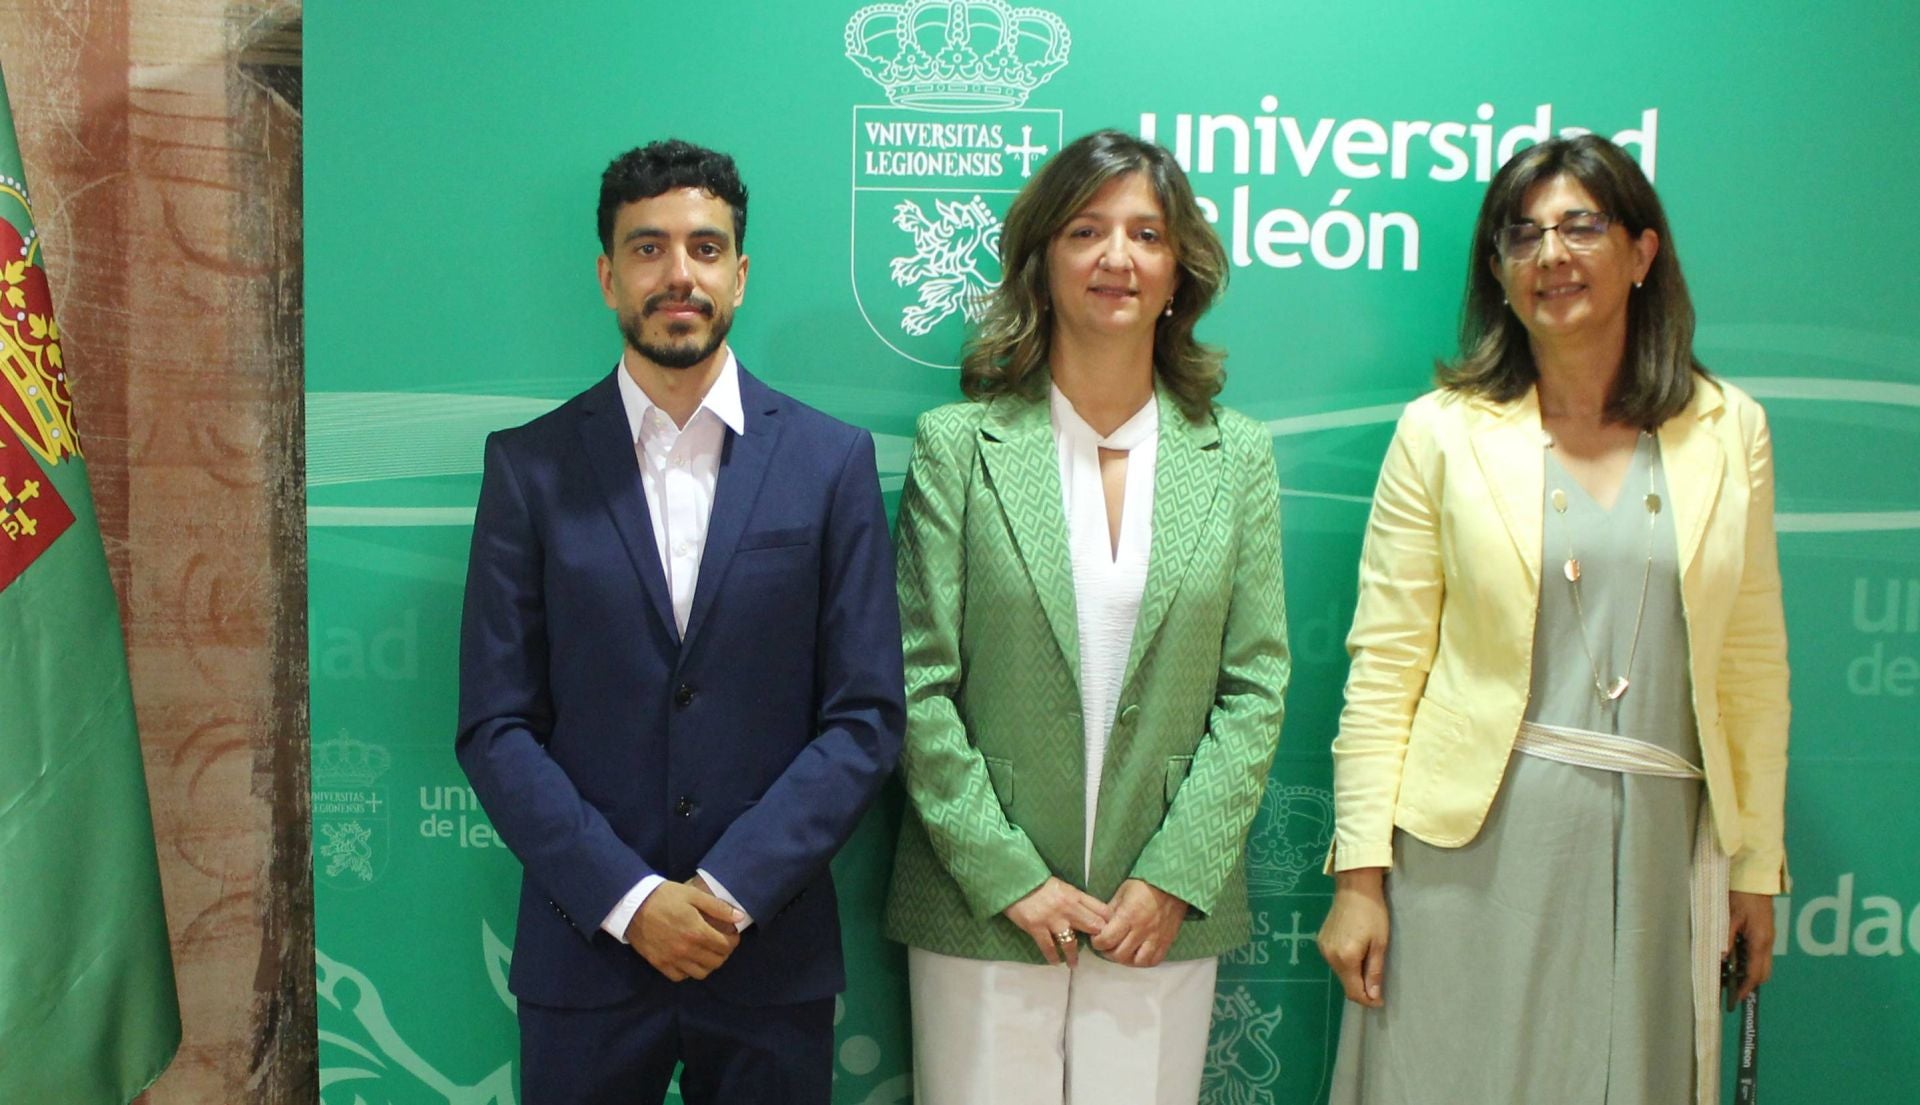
pixel 1396 628
pixel 992 860
pixel 1753 699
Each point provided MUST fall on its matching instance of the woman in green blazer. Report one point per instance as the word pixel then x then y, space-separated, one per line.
pixel 1090 590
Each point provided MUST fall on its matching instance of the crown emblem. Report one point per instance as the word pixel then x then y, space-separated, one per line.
pixel 350 763
pixel 1296 830
pixel 957 55
pixel 34 399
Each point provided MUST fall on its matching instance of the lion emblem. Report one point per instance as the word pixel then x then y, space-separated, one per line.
pixel 348 849
pixel 945 263
pixel 1241 1063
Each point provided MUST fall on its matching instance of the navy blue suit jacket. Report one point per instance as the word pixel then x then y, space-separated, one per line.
pixel 605 748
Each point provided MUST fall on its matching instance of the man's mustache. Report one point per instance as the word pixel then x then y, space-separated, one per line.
pixel 654 303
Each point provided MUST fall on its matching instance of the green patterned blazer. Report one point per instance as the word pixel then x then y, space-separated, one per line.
pixel 995 754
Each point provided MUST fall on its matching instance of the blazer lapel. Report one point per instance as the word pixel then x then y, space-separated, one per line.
pixel 1186 476
pixel 1507 442
pixel 1023 469
pixel 743 467
pixel 609 443
pixel 1693 461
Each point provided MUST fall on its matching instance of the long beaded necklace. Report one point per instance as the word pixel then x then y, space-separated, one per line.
pixel 1612 692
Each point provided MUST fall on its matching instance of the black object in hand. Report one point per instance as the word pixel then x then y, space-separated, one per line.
pixel 1733 975
pixel 1733 972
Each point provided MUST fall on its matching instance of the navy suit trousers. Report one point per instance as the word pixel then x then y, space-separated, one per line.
pixel 625 1054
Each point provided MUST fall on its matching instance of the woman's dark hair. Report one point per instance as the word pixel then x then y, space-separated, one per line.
pixel 1657 374
pixel 661 167
pixel 1008 350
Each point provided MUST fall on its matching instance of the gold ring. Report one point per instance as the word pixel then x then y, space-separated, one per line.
pixel 1065 936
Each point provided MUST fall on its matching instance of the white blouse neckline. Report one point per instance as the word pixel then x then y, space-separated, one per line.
pixel 1108 577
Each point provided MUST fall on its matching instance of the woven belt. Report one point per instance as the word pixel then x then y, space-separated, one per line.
pixel 1709 880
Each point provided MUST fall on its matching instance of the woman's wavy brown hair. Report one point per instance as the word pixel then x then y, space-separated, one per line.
pixel 1657 374
pixel 1007 353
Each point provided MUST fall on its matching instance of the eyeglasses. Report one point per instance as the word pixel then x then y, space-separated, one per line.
pixel 1579 232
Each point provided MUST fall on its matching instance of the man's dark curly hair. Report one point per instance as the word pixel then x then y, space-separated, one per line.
pixel 661 167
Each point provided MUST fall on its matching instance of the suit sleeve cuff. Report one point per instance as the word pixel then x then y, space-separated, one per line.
pixel 1760 874
pixel 721 893
pixel 1360 855
pixel 621 917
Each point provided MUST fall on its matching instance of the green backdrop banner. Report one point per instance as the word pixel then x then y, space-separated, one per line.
pixel 453 154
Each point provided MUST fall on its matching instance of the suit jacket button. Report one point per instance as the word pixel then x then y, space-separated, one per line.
pixel 684 807
pixel 683 697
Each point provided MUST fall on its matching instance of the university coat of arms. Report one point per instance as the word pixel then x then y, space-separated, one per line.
pixel 936 165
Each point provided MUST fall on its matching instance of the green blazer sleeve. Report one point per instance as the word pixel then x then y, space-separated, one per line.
pixel 993 861
pixel 1201 842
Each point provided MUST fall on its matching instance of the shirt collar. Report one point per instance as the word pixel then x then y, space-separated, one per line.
pixel 723 398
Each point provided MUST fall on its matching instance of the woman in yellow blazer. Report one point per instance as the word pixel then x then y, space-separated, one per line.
pixel 1569 624
pixel 1090 595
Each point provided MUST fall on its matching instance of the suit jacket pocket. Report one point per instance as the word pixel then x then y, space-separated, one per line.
pixel 1427 773
pixel 1001 772
pixel 1178 767
pixel 774 538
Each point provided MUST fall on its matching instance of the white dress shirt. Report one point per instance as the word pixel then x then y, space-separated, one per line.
pixel 679 469
pixel 1108 577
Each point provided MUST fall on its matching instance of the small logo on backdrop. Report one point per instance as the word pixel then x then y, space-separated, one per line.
pixel 1242 1064
pixel 350 813
pixel 1278 974
pixel 1292 833
pixel 936 165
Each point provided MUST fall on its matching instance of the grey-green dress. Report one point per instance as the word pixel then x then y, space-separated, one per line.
pixel 1547 960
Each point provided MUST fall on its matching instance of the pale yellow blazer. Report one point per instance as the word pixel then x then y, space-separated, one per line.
pixel 1442 637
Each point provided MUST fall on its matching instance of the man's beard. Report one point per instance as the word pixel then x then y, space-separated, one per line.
pixel 678 355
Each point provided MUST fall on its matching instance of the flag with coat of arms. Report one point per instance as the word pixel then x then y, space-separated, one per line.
pixel 88 1013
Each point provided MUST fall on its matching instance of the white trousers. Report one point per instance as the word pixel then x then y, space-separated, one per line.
pixel 992 1033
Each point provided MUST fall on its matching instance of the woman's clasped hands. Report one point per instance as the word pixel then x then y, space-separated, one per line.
pixel 1135 929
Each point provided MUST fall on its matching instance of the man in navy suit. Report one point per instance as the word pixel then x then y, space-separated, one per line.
pixel 680 681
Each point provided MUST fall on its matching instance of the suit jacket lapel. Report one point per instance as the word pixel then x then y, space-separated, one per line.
pixel 1023 469
pixel 1693 461
pixel 1186 477
pixel 609 444
pixel 1507 442
pixel 743 466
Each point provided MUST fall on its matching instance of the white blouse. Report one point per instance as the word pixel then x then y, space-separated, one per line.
pixel 1107 582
